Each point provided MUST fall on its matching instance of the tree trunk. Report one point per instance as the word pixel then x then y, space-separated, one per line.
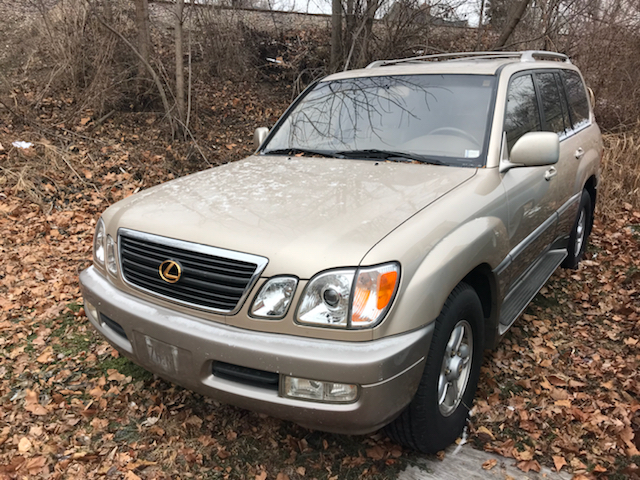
pixel 351 18
pixel 480 25
pixel 370 14
pixel 511 25
pixel 336 34
pixel 144 36
pixel 179 61
pixel 108 11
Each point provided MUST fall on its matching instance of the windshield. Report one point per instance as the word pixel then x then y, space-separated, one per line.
pixel 431 118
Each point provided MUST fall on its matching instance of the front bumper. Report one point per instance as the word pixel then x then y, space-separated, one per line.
pixel 388 370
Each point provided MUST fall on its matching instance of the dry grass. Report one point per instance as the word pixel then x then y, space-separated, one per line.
pixel 620 183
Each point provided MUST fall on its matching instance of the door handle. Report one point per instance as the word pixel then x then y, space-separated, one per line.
pixel 549 174
pixel 579 153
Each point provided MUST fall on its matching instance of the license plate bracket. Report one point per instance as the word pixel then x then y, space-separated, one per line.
pixel 163 358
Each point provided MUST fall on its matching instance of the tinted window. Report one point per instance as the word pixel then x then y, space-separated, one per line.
pixel 577 96
pixel 441 116
pixel 522 109
pixel 555 120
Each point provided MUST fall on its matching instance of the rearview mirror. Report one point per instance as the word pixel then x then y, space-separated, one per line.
pixel 259 135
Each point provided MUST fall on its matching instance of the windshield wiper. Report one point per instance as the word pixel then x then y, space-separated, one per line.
pixel 303 151
pixel 375 154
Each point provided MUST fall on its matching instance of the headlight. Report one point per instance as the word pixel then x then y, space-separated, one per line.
pixel 111 256
pixel 332 299
pixel 326 299
pixel 98 243
pixel 274 298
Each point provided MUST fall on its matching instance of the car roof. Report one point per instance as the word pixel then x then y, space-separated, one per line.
pixel 469 63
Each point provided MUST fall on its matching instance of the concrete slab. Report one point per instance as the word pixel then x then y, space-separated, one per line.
pixel 465 463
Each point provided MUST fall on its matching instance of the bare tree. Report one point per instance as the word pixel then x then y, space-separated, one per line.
pixel 178 32
pixel 511 25
pixel 144 35
pixel 336 34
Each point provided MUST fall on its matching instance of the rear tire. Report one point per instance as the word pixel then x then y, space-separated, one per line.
pixel 438 413
pixel 579 236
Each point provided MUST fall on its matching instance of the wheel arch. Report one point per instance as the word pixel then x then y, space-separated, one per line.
pixel 483 281
pixel 591 186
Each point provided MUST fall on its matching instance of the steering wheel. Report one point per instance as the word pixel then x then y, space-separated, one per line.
pixel 455 131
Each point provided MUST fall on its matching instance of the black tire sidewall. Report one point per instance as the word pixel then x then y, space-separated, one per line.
pixel 573 257
pixel 440 431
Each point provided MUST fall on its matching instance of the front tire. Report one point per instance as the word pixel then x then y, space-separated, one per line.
pixel 438 413
pixel 579 236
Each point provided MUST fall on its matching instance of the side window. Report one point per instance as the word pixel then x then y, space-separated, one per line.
pixel 522 115
pixel 555 119
pixel 577 96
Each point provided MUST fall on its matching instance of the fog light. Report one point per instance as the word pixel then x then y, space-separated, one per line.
pixel 91 311
pixel 320 391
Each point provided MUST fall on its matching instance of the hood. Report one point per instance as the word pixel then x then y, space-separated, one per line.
pixel 305 214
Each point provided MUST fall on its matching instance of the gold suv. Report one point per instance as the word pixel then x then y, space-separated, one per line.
pixel 390 227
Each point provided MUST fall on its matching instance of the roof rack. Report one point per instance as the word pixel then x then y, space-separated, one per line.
pixel 524 56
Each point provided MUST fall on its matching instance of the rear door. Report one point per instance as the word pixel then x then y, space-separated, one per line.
pixel 573 98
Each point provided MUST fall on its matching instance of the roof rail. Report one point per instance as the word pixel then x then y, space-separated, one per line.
pixel 532 55
pixel 524 56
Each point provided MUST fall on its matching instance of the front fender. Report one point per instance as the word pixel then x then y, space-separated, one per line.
pixel 424 289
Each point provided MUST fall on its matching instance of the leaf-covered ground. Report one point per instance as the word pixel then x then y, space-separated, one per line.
pixel 563 386
pixel 561 389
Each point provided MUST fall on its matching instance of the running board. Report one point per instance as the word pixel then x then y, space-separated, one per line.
pixel 520 296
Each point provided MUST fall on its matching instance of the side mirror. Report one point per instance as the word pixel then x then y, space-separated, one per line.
pixel 259 135
pixel 533 149
pixel 592 98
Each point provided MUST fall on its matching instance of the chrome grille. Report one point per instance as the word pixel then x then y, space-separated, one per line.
pixel 211 278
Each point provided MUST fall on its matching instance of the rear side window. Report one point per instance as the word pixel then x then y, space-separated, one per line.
pixel 577 97
pixel 555 117
pixel 522 115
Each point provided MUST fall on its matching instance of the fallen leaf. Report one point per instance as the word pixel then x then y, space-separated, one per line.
pixel 376 452
pixel 35 465
pixel 577 464
pixel 559 462
pixel 115 375
pixel 528 465
pixel 489 464
pixel 46 356
pixel 556 380
pixel 482 430
pixel 24 445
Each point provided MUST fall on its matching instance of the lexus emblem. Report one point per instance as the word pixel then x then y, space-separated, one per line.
pixel 170 271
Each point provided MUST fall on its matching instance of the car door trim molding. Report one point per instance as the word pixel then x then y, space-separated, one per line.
pixel 518 249
pixel 528 240
pixel 569 203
